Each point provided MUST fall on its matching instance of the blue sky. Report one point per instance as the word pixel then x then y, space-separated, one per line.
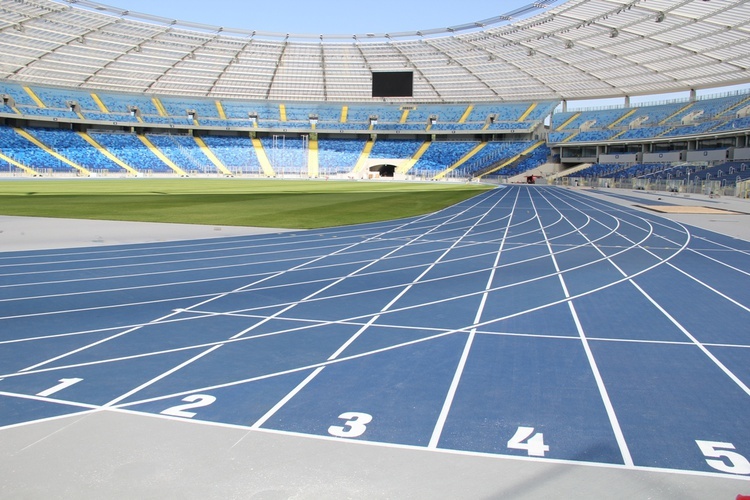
pixel 325 16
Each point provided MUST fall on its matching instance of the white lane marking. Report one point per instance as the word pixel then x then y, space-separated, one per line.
pixel 437 431
pixel 246 330
pixel 684 330
pixel 212 298
pixel 385 308
pixel 161 376
pixel 614 422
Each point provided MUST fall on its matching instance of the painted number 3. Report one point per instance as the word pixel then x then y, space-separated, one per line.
pixel 720 458
pixel 355 425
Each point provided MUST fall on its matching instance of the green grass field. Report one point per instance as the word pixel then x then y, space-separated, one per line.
pixel 231 202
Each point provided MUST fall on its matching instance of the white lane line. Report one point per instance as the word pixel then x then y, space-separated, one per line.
pixel 512 315
pixel 211 298
pixel 380 325
pixel 437 431
pixel 680 270
pixel 156 259
pixel 684 330
pixel 714 290
pixel 694 340
pixel 385 308
pixel 313 366
pixel 165 318
pixel 246 330
pixel 235 243
pixel 416 306
pixel 92 344
pixel 209 295
pixel 275 408
pixel 47 399
pixel 718 244
pixel 258 423
pixel 447 277
pixel 161 376
pixel 725 264
pixel 694 278
pixel 185 270
pixel 313 295
pixel 614 422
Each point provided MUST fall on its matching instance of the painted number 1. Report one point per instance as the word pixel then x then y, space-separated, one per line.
pixel 355 425
pixel 64 383
pixel 525 439
pixel 720 458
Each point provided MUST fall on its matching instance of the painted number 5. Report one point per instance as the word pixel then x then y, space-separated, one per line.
pixel 354 426
pixel 715 449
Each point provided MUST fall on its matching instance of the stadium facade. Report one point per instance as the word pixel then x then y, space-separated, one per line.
pixel 285 100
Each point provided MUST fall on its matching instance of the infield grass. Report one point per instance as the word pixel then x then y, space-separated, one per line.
pixel 289 204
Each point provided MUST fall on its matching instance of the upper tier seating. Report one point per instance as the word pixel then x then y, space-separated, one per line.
pixel 62 98
pixel 594 135
pixel 651 116
pixel 17 93
pixel 122 103
pixel 680 119
pixel 172 110
pixel 179 107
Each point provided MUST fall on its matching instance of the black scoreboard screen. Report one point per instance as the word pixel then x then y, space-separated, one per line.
pixel 392 83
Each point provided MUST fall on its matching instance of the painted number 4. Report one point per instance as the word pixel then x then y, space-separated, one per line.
pixel 525 439
pixel 737 464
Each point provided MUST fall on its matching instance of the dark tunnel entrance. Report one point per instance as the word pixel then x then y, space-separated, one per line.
pixel 384 170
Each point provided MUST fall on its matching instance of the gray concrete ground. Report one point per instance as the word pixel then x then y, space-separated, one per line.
pixel 737 226
pixel 107 454
pixel 37 233
pixel 119 455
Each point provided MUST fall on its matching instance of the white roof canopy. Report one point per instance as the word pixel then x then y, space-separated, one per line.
pixel 579 49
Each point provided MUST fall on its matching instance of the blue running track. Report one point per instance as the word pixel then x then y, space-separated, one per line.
pixel 529 321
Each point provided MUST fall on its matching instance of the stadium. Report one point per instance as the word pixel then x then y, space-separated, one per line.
pixel 481 289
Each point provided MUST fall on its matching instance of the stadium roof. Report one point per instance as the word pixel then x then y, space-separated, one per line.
pixel 580 49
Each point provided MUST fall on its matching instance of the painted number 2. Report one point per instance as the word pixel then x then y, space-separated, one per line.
pixel 194 401
pixel 525 439
pixel 737 464
pixel 355 425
